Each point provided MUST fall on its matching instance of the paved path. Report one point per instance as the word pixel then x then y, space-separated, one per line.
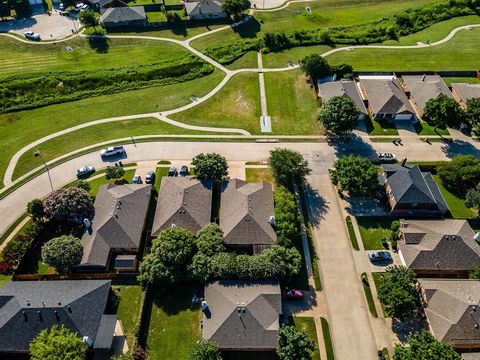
pixel 261 81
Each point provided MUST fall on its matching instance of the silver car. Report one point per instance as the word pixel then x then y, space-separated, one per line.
pixel 31 35
pixel 85 171
pixel 112 150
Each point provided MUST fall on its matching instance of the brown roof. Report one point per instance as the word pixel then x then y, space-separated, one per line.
pixel 245 211
pixel 467 91
pixel 426 87
pixel 386 96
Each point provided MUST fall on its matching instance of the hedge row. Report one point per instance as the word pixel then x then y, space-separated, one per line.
pixel 41 89
pixel 407 22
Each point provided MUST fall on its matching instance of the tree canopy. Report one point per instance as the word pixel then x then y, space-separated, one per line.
pixel 210 166
pixel 89 18
pixel 475 273
pixel 315 66
pixel 114 172
pixel 355 175
pixel 57 343
pixel 472 198
pixel 472 113
pixel 443 111
pixel 423 346
pixel 288 166
pixel 460 174
pixel 294 344
pixel 62 253
pixel 36 210
pixel 339 115
pixel 287 218
pixel 235 8
pixel 205 350
pixel 69 204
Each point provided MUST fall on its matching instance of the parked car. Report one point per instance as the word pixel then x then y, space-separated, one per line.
pixel 112 150
pixel 137 179
pixel 294 294
pixel 84 7
pixel 31 35
pixel 150 177
pixel 386 157
pixel 184 170
pixel 85 171
pixel 172 171
pixel 61 6
pixel 379 256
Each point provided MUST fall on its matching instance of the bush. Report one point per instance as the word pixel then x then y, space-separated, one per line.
pixel 14 251
pixel 288 166
pixel 71 205
pixel 5 268
pixel 287 218
pixel 57 343
pixel 114 172
pixel 460 174
pixel 62 253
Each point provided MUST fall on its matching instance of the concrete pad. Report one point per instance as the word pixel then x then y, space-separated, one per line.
pixel 236 169
pixel 143 167
pixel 119 344
pixel 265 124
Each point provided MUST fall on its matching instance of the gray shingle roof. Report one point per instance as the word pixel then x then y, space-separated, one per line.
pixel 203 7
pixel 467 91
pixel 426 87
pixel 439 245
pixel 257 323
pixel 387 97
pixel 346 88
pixel 27 307
pixel 185 202
pixel 120 212
pixel 121 14
pixel 245 211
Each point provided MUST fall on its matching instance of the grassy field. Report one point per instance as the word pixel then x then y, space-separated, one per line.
pixel 259 174
pixel 128 311
pixel 456 204
pixel 368 295
pixel 281 59
pixel 372 230
pixel 247 61
pixel 16 128
pixel 307 325
pixel 4 279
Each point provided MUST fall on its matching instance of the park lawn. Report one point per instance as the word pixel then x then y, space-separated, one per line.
pixel 307 325
pixel 236 105
pixel 259 174
pixel 17 57
pixel 247 61
pixel 457 206
pixel 291 103
pixel 4 279
pixel 16 128
pixel 128 311
pixel 375 128
pixel 373 229
pixel 96 183
pixel 281 59
pixel 467 80
pixel 377 279
pixel 174 324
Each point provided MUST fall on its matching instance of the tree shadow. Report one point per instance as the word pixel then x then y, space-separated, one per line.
pixel 351 145
pixel 100 44
pixel 406 328
pixel 249 28
pixel 317 204
pixel 460 147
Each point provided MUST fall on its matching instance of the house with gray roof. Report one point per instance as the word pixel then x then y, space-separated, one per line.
pixel 123 16
pixel 422 88
pixel 346 88
pixel 246 214
pixel 411 192
pixel 105 4
pixel 204 9
pixel 28 307
pixel 242 315
pixel 453 311
pixel 462 92
pixel 184 202
pixel 386 98
pixel 438 247
pixel 117 227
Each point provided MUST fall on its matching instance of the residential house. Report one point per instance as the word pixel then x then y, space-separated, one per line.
pixel 247 215
pixel 106 4
pixel 242 315
pixel 120 213
pixel 411 192
pixel 346 88
pixel 386 98
pixel 185 202
pixel 453 311
pixel 123 16
pixel 443 248
pixel 28 307
pixel 463 92
pixel 422 88
pixel 204 9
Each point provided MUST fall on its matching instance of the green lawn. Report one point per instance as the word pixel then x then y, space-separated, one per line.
pixel 375 128
pixel 281 59
pixel 4 279
pixel 351 233
pixel 368 295
pixel 327 339
pixel 247 61
pixel 468 80
pixel 96 183
pixel 128 311
pixel 424 128
pixel 456 204
pixel 174 324
pixel 373 229
pixel 377 279
pixel 307 325
pixel 259 174
pixel 156 16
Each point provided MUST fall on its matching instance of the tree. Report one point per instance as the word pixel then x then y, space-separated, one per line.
pixel 210 240
pixel 205 350
pixel 294 344
pixel 398 293
pixel 423 346
pixel 355 175
pixel 114 172
pixel 57 343
pixel 69 204
pixel 89 18
pixel 472 113
pixel 460 174
pixel 21 8
pixel 235 8
pixel 288 166
pixel 82 184
pixel 36 210
pixel 211 166
pixel 339 115
pixel 62 253
pixel 475 273
pixel 443 111
pixel 315 66
pixel 472 199
pixel 287 218
pixel 282 262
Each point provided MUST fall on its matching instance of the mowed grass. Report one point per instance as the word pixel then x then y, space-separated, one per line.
pixel 4 279
pixel 128 311
pixel 259 174
pixel 466 80
pixel 373 229
pixel 307 325
pixel 21 128
pixel 96 183
pixel 17 57
pixel 456 204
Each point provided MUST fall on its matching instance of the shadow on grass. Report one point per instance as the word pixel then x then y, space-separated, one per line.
pixel 460 147
pixel 248 29
pixel 100 44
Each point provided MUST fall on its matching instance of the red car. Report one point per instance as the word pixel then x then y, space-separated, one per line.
pixel 294 294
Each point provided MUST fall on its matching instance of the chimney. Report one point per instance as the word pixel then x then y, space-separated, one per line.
pixel 404 161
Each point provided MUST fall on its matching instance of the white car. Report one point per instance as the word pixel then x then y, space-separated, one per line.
pixel 112 150
pixel 84 171
pixel 31 35
pixel 61 6
pixel 386 157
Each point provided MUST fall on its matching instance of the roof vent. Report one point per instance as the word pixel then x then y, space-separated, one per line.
pixel 56 315
pixel 476 237
pixel 69 308
pixel 271 220
pixel 28 302
pixel 40 315
pixel 24 316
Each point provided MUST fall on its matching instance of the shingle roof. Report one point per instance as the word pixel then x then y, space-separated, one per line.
pixel 453 310
pixel 426 87
pixel 185 202
pixel 203 7
pixel 245 211
pixel 346 88
pixel 439 245
pixel 255 326
pixel 27 307
pixel 386 96
pixel 120 212
pixel 121 14
pixel 467 91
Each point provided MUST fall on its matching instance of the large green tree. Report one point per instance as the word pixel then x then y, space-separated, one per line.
pixel 423 346
pixel 36 210
pixel 355 175
pixel 460 174
pixel 288 166
pixel 315 66
pixel 235 8
pixel 89 18
pixel 294 344
pixel 205 350
pixel 287 218
pixel 210 166
pixel 472 113
pixel 57 343
pixel 339 115
pixel 472 198
pixel 443 111
pixel 62 253
pixel 114 172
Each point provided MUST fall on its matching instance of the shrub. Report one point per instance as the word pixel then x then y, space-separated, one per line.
pixel 355 175
pixel 114 172
pixel 460 174
pixel 288 166
pixel 5 268
pixel 15 250
pixel 72 205
pixel 57 343
pixel 62 253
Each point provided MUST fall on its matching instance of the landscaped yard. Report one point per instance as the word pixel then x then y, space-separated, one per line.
pixel 368 295
pixel 96 183
pixel 456 204
pixel 307 325
pixel 259 174
pixel 377 278
pixel 128 311
pixel 375 128
pixel 424 128
pixel 327 339
pixel 373 229
pixel 468 80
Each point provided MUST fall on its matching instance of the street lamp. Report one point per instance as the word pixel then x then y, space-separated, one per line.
pixel 38 154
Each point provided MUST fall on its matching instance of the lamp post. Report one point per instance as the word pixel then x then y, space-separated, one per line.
pixel 38 154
